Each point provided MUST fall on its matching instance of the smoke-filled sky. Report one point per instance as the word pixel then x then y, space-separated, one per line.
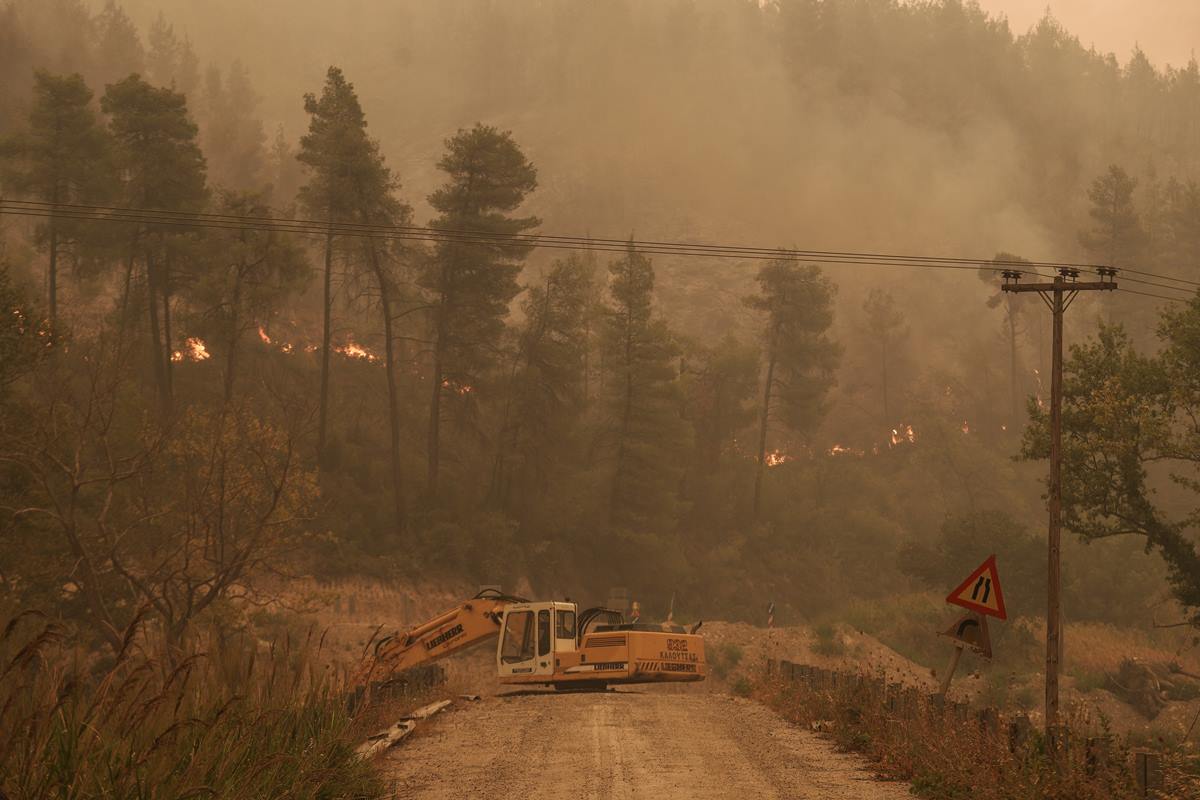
pixel 1168 30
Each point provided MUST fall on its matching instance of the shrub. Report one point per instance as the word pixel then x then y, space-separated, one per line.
pixel 724 658
pixel 828 643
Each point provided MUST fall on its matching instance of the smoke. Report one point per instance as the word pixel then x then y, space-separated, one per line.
pixel 700 120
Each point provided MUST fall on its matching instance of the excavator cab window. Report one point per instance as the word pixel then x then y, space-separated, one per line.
pixel 544 632
pixel 518 638
pixel 565 627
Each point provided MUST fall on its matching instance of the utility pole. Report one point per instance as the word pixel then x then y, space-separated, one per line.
pixel 1058 296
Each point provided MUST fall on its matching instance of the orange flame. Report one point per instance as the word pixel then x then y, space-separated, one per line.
pixel 843 450
pixel 194 349
pixel 775 458
pixel 458 388
pixel 352 349
pixel 903 435
pixel 262 334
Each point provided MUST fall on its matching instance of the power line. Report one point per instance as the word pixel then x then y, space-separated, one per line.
pixel 435 235
pixel 1157 296
pixel 523 243
pixel 126 215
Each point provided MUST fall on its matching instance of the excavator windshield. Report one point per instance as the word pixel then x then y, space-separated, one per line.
pixel 518 638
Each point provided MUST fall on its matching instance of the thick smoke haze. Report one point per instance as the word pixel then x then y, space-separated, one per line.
pixel 1166 29
pixel 620 109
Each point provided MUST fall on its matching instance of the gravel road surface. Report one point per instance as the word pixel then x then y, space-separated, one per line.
pixel 630 743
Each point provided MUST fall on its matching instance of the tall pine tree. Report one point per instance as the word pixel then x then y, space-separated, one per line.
pixel 164 170
pixel 545 390
pixel 62 158
pixel 647 434
pixel 472 281
pixel 335 140
pixel 350 183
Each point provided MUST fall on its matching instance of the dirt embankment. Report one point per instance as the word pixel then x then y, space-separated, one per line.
pixel 630 743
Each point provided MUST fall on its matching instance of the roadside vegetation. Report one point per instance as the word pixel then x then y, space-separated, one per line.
pixel 948 754
pixel 216 716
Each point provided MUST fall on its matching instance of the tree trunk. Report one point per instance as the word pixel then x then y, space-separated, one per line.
pixel 385 301
pixel 168 367
pixel 626 413
pixel 764 416
pixel 326 336
pixel 235 336
pixel 435 405
pixel 156 345
pixel 52 274
pixel 887 412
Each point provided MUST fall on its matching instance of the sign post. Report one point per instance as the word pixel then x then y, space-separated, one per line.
pixel 982 596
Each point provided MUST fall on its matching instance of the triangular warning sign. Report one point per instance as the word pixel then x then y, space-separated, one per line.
pixel 981 592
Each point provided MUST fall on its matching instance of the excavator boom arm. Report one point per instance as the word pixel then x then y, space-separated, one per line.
pixel 475 621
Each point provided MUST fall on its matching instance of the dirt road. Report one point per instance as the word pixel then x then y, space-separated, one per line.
pixel 633 743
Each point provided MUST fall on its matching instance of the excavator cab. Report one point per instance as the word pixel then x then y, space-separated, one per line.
pixel 532 635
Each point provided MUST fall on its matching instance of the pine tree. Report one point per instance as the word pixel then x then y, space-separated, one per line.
pixel 250 273
pixel 472 282
pixel 722 383
pixel 165 170
pixel 349 182
pixel 1116 236
pixel 118 49
pixel 62 158
pixel 545 389
pixel 234 141
pixel 800 358
pixel 647 435
pixel 162 52
pixel 336 137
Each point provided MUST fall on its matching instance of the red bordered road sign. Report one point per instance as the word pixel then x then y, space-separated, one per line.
pixel 981 592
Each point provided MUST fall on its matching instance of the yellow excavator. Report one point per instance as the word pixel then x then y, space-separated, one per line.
pixel 548 643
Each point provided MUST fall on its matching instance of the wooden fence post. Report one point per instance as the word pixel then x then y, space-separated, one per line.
pixel 1147 767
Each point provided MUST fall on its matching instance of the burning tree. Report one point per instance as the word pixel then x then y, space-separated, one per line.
pixel 797 302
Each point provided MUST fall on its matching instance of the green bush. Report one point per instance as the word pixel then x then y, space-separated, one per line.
pixel 723 659
pixel 828 643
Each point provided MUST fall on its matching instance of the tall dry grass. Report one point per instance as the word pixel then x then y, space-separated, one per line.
pixel 948 755
pixel 227 717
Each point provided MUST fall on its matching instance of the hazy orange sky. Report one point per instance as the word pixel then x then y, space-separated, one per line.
pixel 1168 30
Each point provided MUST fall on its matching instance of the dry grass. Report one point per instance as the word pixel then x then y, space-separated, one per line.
pixel 225 718
pixel 948 755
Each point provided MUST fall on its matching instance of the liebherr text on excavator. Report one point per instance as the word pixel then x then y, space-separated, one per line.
pixel 548 643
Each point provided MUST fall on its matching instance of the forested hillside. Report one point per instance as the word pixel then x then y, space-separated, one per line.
pixel 194 410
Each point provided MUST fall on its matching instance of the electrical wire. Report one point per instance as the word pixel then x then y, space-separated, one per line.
pixel 410 233
pixel 116 214
pixel 1157 296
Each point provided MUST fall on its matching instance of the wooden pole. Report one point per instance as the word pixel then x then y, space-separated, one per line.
pixel 1054 572
pixel 1058 296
